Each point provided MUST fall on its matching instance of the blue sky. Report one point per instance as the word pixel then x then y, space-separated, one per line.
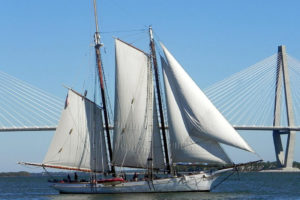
pixel 48 44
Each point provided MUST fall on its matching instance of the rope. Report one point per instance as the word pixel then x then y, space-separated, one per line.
pixel 124 31
pixel 48 173
pixel 222 180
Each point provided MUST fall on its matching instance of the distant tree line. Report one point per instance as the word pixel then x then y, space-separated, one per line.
pixel 251 167
pixel 273 165
pixel 12 174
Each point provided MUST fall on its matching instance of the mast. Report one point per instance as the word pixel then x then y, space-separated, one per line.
pixel 100 73
pixel 161 114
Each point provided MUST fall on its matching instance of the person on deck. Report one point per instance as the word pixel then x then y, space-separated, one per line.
pixel 69 178
pixel 135 177
pixel 75 177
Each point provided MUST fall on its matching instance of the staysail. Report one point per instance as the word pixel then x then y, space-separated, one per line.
pixel 201 118
pixel 186 148
pixel 78 142
pixel 133 123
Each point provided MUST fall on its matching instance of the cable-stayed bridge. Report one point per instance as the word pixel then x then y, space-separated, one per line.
pixel 264 96
pixel 248 97
pixel 24 107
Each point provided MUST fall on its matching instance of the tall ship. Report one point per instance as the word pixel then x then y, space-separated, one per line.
pixel 140 138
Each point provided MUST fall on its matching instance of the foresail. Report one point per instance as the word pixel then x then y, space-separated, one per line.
pixel 78 142
pixel 133 123
pixel 185 148
pixel 200 116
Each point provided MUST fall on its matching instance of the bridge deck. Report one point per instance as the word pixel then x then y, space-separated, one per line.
pixel 250 128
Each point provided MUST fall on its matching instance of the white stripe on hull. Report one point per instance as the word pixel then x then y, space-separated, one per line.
pixel 186 183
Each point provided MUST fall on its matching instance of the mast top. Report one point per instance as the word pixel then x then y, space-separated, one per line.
pixel 97 33
pixel 151 33
pixel 96 17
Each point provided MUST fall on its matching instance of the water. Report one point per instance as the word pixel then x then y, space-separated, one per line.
pixel 245 186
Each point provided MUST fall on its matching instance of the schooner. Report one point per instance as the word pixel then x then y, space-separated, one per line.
pixel 82 140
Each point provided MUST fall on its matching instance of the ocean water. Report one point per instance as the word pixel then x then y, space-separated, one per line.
pixel 252 185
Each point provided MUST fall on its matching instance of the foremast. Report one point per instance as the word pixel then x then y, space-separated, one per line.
pixel 98 45
pixel 158 92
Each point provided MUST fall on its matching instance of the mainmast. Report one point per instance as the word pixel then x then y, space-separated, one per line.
pixel 98 45
pixel 161 114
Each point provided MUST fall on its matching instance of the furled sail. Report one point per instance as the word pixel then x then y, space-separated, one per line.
pixel 201 118
pixel 78 142
pixel 186 148
pixel 133 123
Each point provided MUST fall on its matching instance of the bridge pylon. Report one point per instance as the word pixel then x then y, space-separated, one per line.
pixel 284 160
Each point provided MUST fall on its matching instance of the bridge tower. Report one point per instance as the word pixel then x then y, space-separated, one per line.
pixel 284 160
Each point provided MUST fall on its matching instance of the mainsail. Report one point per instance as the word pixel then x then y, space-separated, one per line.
pixel 133 123
pixel 78 142
pixel 200 117
pixel 157 151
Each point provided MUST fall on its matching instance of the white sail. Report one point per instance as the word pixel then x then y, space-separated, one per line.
pixel 78 142
pixel 158 156
pixel 200 116
pixel 186 148
pixel 133 124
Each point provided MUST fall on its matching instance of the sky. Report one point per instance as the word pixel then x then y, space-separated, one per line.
pixel 49 44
